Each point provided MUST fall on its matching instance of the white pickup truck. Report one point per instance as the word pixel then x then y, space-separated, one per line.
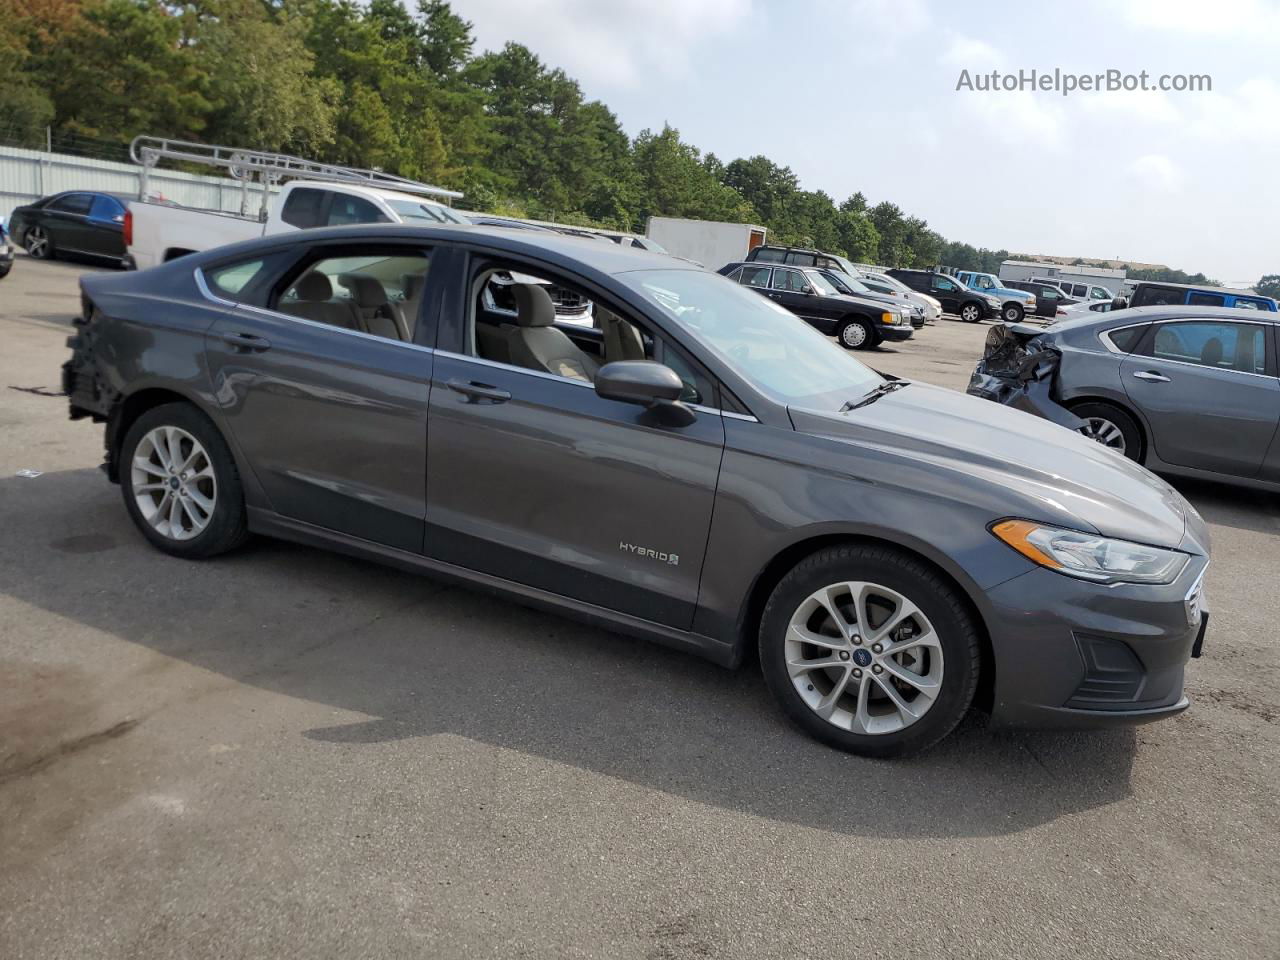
pixel 156 231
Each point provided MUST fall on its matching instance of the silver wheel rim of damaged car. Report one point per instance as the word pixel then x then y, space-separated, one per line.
pixel 1105 432
pixel 853 335
pixel 863 657
pixel 173 483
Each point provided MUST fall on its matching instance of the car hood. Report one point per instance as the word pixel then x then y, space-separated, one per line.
pixel 1022 465
pixel 1013 294
pixel 877 301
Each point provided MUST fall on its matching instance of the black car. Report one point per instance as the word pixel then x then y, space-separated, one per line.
pixel 858 324
pixel 797 257
pixel 1049 298
pixel 77 222
pixel 968 304
pixel 854 287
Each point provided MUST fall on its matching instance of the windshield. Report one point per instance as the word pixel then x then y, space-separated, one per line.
pixel 821 283
pixel 891 282
pixel 780 354
pixel 846 283
pixel 653 245
pixel 416 210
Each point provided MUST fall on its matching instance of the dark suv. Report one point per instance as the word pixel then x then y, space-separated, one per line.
pixel 857 323
pixel 970 305
pixel 799 257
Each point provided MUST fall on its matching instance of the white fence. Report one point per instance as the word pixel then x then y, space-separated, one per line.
pixel 27 175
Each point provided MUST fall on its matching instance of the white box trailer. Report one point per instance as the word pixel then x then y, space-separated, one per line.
pixel 709 242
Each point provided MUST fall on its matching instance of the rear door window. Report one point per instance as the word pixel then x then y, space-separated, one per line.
pixel 801 259
pixel 75 203
pixel 344 209
pixel 1221 346
pixel 768 255
pixel 1206 300
pixel 303 208
pixel 754 277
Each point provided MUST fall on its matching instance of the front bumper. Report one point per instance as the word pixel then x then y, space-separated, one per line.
pixel 1069 653
pixel 895 334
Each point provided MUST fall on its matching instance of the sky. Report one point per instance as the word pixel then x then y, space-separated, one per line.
pixel 860 95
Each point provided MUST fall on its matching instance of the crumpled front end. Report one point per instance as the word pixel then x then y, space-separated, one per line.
pixel 1018 369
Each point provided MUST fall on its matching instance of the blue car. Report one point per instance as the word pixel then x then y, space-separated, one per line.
pixel 1149 294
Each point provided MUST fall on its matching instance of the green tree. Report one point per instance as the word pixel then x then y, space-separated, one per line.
pixel 1269 286
pixel 673 182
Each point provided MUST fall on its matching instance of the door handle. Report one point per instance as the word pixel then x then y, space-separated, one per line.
pixel 1151 376
pixel 476 392
pixel 246 341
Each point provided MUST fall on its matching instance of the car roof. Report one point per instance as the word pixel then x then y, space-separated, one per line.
pixel 121 197
pixel 1170 311
pixel 608 258
pixel 1206 287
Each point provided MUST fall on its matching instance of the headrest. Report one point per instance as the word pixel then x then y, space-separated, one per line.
pixel 1211 354
pixel 313 287
pixel 366 291
pixel 533 305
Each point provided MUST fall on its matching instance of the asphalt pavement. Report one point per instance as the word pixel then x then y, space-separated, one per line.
pixel 289 753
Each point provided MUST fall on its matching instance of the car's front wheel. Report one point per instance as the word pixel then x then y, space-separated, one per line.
pixel 869 650
pixel 39 244
pixel 1013 312
pixel 970 313
pixel 1111 427
pixel 856 335
pixel 180 483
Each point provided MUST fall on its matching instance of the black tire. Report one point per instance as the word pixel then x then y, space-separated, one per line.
pixel 939 602
pixel 227 526
pixel 971 311
pixel 1100 410
pixel 857 335
pixel 1013 313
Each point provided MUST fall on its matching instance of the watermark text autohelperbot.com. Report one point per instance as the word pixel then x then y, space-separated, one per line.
pixel 1065 83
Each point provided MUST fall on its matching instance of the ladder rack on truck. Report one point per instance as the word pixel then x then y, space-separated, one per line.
pixel 266 169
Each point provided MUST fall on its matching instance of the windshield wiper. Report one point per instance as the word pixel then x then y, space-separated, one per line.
pixel 887 387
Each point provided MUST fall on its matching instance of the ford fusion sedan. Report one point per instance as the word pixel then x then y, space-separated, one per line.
pixel 856 323
pixel 1185 390
pixel 699 467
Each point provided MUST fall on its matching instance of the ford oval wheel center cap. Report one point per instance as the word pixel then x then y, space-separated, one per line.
pixel 862 657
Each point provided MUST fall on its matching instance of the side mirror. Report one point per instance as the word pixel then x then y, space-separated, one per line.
pixel 806 289
pixel 648 384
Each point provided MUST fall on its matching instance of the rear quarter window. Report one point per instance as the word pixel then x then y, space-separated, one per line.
pixel 1126 339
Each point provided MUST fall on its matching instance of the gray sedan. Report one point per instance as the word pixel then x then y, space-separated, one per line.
pixel 699 467
pixel 1184 390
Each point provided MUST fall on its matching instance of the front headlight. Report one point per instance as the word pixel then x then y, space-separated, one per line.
pixel 1090 557
pixel 892 319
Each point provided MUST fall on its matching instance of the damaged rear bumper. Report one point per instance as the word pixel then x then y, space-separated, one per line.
pixel 1019 369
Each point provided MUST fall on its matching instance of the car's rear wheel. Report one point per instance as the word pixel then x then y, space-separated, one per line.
pixel 1013 312
pixel 1111 427
pixel 180 483
pixel 869 650
pixel 970 313
pixel 39 244
pixel 856 335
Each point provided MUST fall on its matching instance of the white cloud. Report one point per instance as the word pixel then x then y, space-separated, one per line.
pixel 1247 116
pixel 1144 106
pixel 1156 171
pixel 1257 19
pixel 1014 118
pixel 607 44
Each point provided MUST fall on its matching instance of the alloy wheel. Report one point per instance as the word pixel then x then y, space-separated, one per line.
pixel 37 243
pixel 863 657
pixel 173 483
pixel 1105 432
pixel 853 335
pixel 969 314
